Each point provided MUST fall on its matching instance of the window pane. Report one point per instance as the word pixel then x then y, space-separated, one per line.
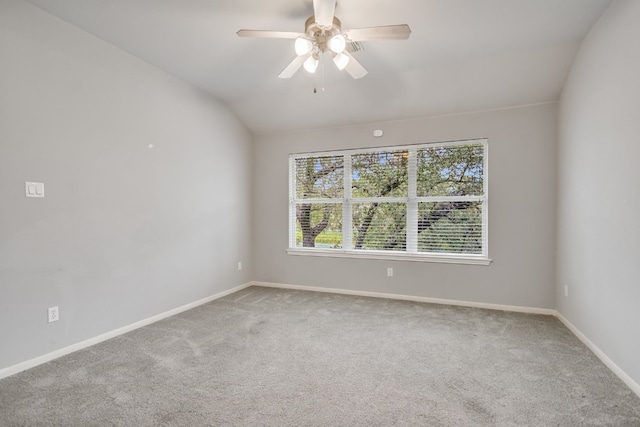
pixel 319 225
pixel 319 177
pixel 450 227
pixel 380 174
pixel 379 226
pixel 450 171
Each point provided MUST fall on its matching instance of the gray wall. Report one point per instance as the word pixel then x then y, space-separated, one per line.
pixel 124 232
pixel 599 188
pixel 522 211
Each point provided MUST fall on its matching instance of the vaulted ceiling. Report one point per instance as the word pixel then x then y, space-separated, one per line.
pixel 463 55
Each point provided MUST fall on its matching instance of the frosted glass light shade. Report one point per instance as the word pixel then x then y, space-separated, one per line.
pixel 303 46
pixel 311 64
pixel 337 43
pixel 341 60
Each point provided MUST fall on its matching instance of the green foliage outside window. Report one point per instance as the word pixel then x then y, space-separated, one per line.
pixel 446 203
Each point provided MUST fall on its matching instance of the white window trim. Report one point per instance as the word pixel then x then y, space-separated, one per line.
pixel 392 256
pixel 411 253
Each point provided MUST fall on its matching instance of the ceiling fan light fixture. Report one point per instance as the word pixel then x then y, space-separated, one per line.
pixel 323 34
pixel 303 46
pixel 337 43
pixel 341 60
pixel 311 64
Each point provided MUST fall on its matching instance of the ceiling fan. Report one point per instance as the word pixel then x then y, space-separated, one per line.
pixel 323 34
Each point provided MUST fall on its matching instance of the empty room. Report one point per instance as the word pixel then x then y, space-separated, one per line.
pixel 319 213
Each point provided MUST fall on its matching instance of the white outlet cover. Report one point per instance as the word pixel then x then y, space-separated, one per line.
pixel 53 314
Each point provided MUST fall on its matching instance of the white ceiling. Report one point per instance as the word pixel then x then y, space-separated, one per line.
pixel 463 55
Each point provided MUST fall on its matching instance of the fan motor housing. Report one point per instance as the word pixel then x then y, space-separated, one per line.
pixel 319 34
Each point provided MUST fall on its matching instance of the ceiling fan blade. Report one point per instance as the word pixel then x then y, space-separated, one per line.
pixel 355 68
pixel 323 10
pixel 294 66
pixel 388 32
pixel 268 34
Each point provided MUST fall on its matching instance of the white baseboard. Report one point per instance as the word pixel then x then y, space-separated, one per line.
pixel 515 308
pixel 634 386
pixel 32 363
pixel 11 370
pixel 599 353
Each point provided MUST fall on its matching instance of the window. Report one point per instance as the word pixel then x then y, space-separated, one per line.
pixel 415 202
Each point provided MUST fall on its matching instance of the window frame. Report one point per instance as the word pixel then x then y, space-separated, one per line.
pixel 412 202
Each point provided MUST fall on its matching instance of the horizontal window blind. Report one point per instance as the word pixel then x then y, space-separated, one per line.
pixel 379 226
pixel 450 227
pixel 419 199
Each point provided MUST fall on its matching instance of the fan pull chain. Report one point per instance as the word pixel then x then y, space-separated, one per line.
pixel 315 86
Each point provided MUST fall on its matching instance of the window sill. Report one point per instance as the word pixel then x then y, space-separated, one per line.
pixel 338 253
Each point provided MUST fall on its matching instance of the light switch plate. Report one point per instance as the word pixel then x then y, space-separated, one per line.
pixel 34 189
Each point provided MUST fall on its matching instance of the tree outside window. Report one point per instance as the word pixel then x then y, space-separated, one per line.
pixel 428 199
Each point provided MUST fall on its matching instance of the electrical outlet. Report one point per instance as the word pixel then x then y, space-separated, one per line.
pixel 53 314
pixel 389 271
pixel 566 290
pixel 239 266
